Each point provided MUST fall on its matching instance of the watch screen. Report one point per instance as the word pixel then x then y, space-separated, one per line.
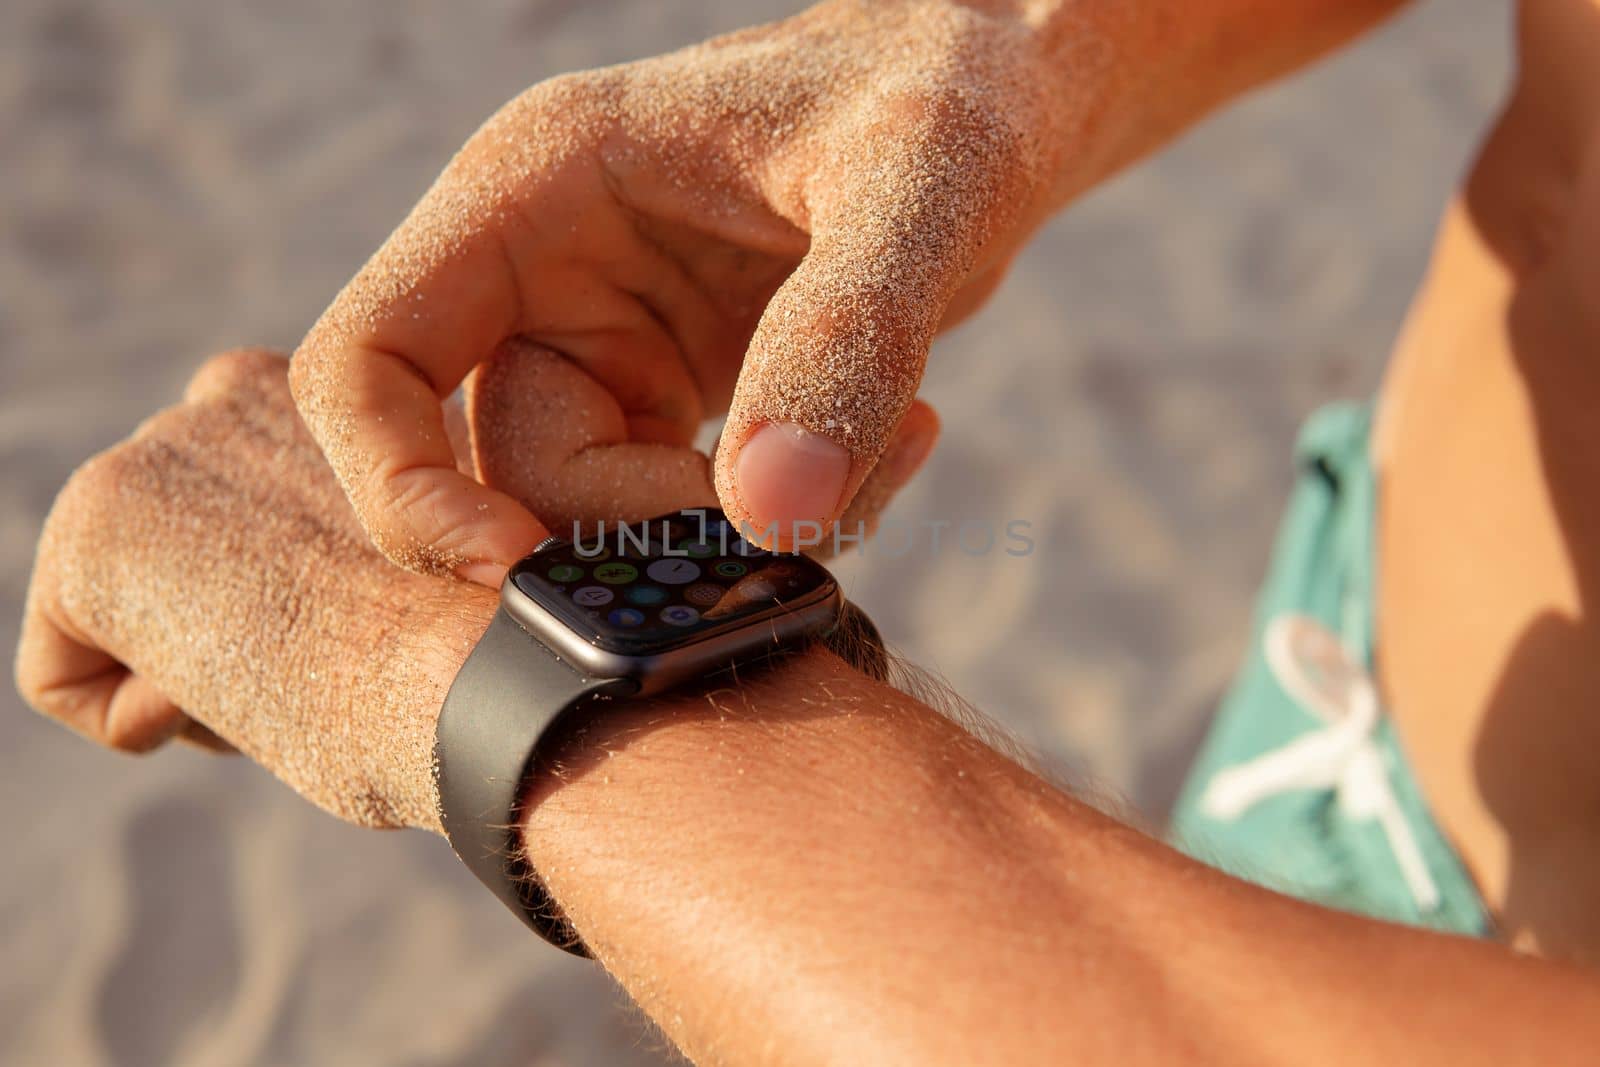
pixel 656 585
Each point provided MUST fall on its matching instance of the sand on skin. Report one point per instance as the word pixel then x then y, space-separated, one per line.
pixel 211 176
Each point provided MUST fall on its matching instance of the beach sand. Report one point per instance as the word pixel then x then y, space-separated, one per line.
pixel 183 177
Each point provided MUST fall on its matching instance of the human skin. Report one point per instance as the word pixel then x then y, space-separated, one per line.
pixel 548 435
pixel 377 644
pixel 1488 449
pixel 792 863
pixel 773 224
pixel 1487 452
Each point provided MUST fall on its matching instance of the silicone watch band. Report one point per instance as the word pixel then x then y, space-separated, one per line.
pixel 508 692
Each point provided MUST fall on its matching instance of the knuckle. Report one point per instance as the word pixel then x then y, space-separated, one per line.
pixel 549 124
pixel 103 494
pixel 237 370
pixel 412 520
pixel 571 98
pixel 969 143
pixel 75 532
pixel 308 373
pixel 421 498
pixel 152 437
pixel 91 488
pixel 943 173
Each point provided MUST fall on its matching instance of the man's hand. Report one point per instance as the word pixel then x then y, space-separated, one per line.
pixel 212 564
pixel 539 429
pixel 774 223
pixel 799 865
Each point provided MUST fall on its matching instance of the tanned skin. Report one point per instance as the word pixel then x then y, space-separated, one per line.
pixel 792 863
pixel 798 864
pixel 1489 524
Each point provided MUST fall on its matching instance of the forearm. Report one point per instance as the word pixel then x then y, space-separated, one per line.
pixel 710 850
pixel 808 866
pixel 1219 48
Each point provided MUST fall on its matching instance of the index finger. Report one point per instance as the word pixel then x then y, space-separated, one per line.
pixel 370 377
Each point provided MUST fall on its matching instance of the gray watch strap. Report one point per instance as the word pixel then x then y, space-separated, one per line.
pixel 510 690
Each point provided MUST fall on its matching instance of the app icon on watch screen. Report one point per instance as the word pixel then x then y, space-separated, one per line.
pixel 679 615
pixel 670 571
pixel 646 594
pixel 730 568
pixel 565 572
pixel 592 596
pixel 703 593
pixel 616 573
pixel 626 617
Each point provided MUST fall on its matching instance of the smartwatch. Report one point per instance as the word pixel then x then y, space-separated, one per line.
pixel 642 608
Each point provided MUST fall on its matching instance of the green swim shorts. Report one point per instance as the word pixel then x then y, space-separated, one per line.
pixel 1302 785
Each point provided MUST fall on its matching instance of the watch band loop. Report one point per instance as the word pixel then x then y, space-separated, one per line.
pixel 508 693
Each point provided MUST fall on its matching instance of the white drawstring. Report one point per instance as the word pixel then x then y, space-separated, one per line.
pixel 1323 677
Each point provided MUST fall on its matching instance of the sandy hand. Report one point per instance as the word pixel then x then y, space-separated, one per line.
pixel 211 563
pixel 536 427
pixel 775 223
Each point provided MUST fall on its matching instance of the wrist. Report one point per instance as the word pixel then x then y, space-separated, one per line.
pixel 434 637
pixel 628 753
pixel 761 691
pixel 777 814
pixel 1122 79
pixel 448 629
pixel 1118 80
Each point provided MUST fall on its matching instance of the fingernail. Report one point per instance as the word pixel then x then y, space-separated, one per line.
pixel 787 474
pixel 483 573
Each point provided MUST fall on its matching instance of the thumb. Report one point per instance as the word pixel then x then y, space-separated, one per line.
pixel 831 370
pixel 838 355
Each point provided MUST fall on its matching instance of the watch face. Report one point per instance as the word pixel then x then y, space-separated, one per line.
pixel 669 583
